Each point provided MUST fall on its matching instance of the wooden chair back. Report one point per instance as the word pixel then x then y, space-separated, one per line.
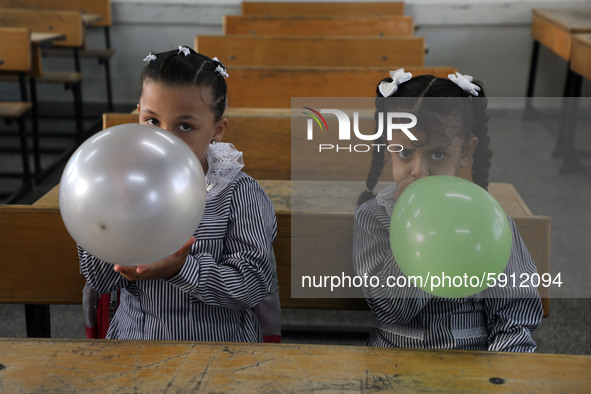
pixel 47 273
pixel 357 8
pixel 377 26
pixel 98 7
pixel 15 49
pixel 313 51
pixel 273 87
pixel 68 23
pixel 250 130
pixel 264 136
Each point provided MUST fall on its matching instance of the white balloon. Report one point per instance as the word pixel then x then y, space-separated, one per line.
pixel 132 194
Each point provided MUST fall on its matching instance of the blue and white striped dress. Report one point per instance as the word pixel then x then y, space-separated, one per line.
pixel 228 272
pixel 495 319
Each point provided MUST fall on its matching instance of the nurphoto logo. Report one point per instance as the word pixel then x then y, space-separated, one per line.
pixel 386 122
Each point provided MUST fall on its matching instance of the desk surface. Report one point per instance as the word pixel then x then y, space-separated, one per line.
pixel 42 38
pixel 35 365
pixel 555 28
pixel 331 197
pixel 89 19
pixel 571 20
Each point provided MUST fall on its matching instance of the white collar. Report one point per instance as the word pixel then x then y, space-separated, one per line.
pixel 224 162
pixel 385 198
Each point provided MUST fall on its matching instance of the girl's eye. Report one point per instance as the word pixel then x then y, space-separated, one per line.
pixel 405 153
pixel 185 127
pixel 152 122
pixel 438 155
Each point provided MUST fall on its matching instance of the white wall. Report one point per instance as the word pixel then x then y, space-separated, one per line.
pixel 488 39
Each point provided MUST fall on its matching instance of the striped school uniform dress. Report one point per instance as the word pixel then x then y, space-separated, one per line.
pixel 228 271
pixel 496 319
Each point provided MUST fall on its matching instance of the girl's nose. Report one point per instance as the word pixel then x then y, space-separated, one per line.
pixel 165 127
pixel 419 167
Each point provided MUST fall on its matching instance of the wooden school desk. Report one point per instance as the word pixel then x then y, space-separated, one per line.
pixel 95 13
pixel 554 28
pixel 70 24
pixel 104 366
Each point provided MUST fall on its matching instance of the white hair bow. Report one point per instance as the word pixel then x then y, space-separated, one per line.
pixel 389 88
pixel 220 70
pixel 465 82
pixel 184 50
pixel 150 57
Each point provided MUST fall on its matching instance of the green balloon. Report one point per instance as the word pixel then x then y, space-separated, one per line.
pixel 452 234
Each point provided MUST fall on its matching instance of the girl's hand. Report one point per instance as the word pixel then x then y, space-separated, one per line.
pixel 163 269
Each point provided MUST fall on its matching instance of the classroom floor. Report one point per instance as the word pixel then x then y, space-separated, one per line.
pixel 522 156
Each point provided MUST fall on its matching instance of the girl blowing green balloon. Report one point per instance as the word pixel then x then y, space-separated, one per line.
pixel 453 136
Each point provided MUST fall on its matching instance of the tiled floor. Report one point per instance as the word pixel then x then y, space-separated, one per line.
pixel 522 156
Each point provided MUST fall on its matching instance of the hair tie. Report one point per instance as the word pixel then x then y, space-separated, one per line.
pixel 465 83
pixel 150 57
pixel 387 89
pixel 184 50
pixel 220 69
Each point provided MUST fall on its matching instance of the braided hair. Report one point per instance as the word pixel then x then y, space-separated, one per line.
pixel 469 116
pixel 174 68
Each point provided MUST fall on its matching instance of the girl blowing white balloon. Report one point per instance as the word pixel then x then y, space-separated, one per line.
pixel 207 290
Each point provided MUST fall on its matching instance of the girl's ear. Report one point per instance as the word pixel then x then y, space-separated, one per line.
pixel 468 152
pixel 220 128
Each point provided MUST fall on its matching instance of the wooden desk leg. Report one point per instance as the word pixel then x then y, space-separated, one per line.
pixel 569 127
pixel 22 131
pixel 35 116
pixel 22 80
pixel 38 321
pixel 77 60
pixel 559 148
pixel 108 71
pixel 531 81
pixel 79 116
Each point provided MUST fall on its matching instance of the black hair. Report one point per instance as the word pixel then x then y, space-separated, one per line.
pixel 173 68
pixel 471 117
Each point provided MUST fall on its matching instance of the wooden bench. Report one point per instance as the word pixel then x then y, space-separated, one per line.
pixel 52 265
pixel 102 8
pixel 69 25
pixel 292 8
pixel 377 26
pixel 15 55
pixel 99 10
pixel 274 87
pixel 58 365
pixel 258 131
pixel 313 51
